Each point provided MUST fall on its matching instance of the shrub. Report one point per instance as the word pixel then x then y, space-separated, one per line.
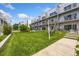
pixel 30 28
pixel 24 28
pixel 7 29
pixel 15 26
pixel 78 39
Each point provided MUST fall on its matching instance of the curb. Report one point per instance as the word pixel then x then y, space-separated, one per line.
pixel 3 41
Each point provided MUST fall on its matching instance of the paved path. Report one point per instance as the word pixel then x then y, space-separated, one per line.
pixel 63 47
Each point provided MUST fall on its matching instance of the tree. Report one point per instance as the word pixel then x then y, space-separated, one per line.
pixel 15 26
pixel 7 29
pixel 24 28
pixel 30 28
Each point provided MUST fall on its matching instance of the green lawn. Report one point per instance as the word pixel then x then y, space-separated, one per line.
pixel 2 37
pixel 77 52
pixel 25 44
pixel 77 46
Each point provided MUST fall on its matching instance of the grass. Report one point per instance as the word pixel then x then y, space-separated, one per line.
pixel 77 52
pixel 77 46
pixel 2 37
pixel 26 44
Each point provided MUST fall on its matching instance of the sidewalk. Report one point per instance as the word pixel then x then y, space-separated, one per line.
pixel 63 47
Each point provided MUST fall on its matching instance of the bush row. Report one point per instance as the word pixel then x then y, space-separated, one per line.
pixel 7 29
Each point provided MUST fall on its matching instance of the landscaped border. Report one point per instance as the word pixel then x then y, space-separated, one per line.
pixel 4 41
pixel 22 44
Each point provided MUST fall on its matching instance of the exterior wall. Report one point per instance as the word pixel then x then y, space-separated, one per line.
pixel 1 25
pixel 59 19
pixel 69 23
pixel 53 20
pixel 61 7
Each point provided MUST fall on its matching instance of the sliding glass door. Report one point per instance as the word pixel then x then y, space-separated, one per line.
pixel 70 27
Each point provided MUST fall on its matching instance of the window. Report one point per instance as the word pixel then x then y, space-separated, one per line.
pixel 75 27
pixel 71 16
pixel 43 28
pixel 67 7
pixel 43 17
pixel 53 13
pixel 74 16
pixel 74 4
pixel 66 27
pixel 69 27
pixel 51 27
pixel 70 6
pixel 68 17
pixel 1 21
pixel 65 17
pixel 52 20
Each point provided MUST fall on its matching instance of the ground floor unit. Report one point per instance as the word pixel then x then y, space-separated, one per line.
pixel 69 25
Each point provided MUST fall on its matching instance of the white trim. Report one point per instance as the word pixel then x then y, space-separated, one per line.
pixel 3 41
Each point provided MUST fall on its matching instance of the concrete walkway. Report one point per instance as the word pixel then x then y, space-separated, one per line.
pixel 3 41
pixel 63 47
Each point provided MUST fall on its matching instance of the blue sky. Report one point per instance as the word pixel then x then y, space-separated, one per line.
pixel 30 9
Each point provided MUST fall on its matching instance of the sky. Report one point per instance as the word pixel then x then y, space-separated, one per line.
pixel 20 11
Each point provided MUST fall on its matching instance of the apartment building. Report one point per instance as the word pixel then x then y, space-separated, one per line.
pixel 65 17
pixel 3 20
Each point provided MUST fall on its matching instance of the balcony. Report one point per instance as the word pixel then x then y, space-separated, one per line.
pixel 70 16
pixel 71 6
pixel 67 8
pixel 73 20
pixel 44 17
pixel 53 13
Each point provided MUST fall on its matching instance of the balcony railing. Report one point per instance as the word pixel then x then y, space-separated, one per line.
pixel 53 13
pixel 71 6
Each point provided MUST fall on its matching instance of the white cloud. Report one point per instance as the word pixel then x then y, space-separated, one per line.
pixel 26 17
pixel 32 17
pixel 46 9
pixel 1 12
pixel 8 5
pixel 6 16
pixel 23 16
